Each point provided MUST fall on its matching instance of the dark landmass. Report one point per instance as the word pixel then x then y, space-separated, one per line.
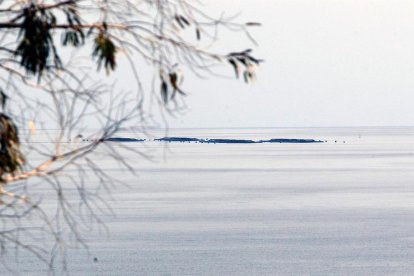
pixel 235 141
pixel 122 139
pixel 177 139
pixel 197 140
pixel 215 141
pixel 227 141
pixel 283 140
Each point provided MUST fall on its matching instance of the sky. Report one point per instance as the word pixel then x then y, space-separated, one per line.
pixel 328 63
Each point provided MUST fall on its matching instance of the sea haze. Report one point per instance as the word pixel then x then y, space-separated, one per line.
pixel 343 207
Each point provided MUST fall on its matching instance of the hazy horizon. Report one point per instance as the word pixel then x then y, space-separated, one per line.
pixel 328 64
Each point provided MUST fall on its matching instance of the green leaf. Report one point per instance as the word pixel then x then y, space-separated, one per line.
pixel 198 33
pixel 3 99
pixel 235 66
pixel 164 92
pixel 36 48
pixel 105 51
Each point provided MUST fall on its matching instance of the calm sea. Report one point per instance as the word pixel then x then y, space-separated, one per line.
pixel 344 207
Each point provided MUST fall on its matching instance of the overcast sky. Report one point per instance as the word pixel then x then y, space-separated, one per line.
pixel 328 63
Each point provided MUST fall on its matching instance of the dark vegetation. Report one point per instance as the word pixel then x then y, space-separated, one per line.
pixel 51 53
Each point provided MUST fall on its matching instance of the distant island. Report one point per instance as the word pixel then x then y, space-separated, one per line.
pixel 122 139
pixel 215 141
pixel 237 141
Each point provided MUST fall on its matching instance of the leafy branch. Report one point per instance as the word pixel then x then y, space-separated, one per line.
pixel 245 63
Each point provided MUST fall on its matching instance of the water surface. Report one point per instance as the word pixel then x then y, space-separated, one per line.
pixel 344 207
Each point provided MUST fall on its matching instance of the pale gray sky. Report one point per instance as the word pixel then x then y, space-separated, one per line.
pixel 328 63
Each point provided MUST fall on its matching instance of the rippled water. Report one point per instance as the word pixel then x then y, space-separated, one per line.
pixel 344 207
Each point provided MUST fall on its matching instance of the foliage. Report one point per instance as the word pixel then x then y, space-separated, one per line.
pixel 11 159
pixel 105 51
pixel 36 41
pixel 44 84
pixel 244 59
